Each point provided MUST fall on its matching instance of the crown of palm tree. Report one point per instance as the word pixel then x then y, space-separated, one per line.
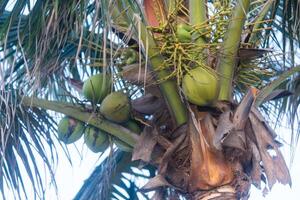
pixel 48 48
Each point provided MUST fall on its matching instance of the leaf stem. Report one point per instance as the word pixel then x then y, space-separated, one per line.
pixel 80 114
pixel 227 59
pixel 198 17
pixel 168 87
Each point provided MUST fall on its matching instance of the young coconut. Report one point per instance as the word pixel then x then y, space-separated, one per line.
pixel 97 87
pixel 131 125
pixel 116 107
pixel 95 139
pixel 131 57
pixel 200 86
pixel 183 32
pixel 70 130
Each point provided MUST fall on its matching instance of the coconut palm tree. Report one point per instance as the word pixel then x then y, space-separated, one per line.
pixel 204 79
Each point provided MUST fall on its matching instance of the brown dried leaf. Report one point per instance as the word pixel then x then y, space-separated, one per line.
pixel 156 182
pixel 224 127
pixel 168 154
pixel 224 106
pixel 147 104
pixel 274 165
pixel 241 113
pixel 259 116
pixel 235 141
pixel 209 129
pixel 250 53
pixel 137 74
pixel 178 177
pixel 145 144
pixel 256 168
pixel 221 193
pixel 208 168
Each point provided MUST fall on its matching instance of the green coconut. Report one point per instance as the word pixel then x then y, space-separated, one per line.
pixel 70 130
pixel 134 127
pixel 97 87
pixel 122 145
pixel 200 86
pixel 96 139
pixel 183 32
pixel 116 107
pixel 132 57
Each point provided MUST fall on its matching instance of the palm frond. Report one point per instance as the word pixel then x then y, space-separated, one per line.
pixel 61 40
pixel 109 179
pixel 26 135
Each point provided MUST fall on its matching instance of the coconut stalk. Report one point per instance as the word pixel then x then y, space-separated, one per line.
pixel 168 87
pixel 80 114
pixel 171 5
pixel 228 56
pixel 197 17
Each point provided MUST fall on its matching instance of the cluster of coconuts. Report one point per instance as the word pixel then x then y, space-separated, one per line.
pixel 114 106
pixel 199 85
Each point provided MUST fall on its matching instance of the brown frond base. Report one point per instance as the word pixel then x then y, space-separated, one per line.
pixel 218 154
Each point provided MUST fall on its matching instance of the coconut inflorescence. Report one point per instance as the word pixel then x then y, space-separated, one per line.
pixel 200 86
pixel 97 87
pixel 96 139
pixel 70 130
pixel 116 107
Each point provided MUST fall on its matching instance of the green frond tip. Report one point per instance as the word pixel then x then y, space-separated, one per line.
pixel 274 84
pixel 257 21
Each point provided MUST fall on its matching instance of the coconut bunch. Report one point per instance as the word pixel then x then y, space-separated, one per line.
pixel 186 46
pixel 114 106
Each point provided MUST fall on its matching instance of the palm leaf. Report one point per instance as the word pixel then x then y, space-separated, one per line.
pixel 26 134
pixel 111 173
